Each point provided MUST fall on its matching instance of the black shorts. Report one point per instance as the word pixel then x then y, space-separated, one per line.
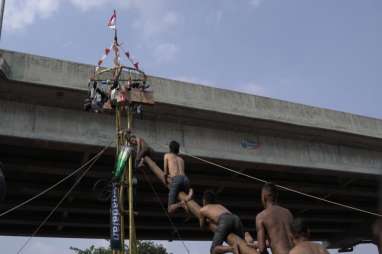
pixel 227 223
pixel 178 184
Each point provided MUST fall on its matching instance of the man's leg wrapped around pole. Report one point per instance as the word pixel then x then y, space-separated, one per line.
pixel 194 208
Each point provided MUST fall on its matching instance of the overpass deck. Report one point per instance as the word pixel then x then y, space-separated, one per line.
pixel 44 134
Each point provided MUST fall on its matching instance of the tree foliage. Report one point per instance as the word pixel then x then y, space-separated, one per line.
pixel 144 247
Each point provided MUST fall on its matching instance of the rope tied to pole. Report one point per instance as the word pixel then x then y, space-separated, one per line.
pixel 284 187
pixel 61 201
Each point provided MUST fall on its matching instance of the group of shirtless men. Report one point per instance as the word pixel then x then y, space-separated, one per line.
pixel 275 226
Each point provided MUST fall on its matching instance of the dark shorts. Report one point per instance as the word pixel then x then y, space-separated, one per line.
pixel 227 223
pixel 178 184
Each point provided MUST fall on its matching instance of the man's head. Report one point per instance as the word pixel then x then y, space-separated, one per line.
pixel 299 229
pixel 174 147
pixel 269 193
pixel 209 197
pixel 133 140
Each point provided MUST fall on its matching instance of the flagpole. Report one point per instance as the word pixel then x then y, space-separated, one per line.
pixel 1 16
pixel 115 28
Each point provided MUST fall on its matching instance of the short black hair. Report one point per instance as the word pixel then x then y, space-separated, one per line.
pixel 209 197
pixel 272 190
pixel 174 147
pixel 299 228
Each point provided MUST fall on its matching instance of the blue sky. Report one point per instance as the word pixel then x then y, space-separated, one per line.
pixel 318 52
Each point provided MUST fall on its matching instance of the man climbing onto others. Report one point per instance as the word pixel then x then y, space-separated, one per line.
pixel 272 224
pixel 175 178
pixel 301 242
pixel 225 222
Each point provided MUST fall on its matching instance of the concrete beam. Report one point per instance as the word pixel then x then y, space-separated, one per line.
pixel 75 127
pixel 57 73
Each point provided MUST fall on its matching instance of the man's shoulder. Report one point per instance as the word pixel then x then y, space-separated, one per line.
pixel 319 247
pixel 297 250
pixel 284 210
pixel 262 215
pixel 294 250
pixel 169 155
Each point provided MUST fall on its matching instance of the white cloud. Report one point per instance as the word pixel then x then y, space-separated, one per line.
pixel 154 20
pixel 154 17
pixel 88 4
pixel 21 13
pixel 251 88
pixel 255 3
pixel 165 52
pixel 219 16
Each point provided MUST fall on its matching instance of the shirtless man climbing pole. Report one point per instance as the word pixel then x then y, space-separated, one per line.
pixel 142 150
pixel 175 177
pixel 273 224
pixel 301 242
pixel 226 223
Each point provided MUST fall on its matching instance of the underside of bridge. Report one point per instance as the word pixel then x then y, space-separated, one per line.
pixel 32 166
pixel 45 135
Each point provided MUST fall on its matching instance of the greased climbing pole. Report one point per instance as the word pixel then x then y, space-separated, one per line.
pixel 122 89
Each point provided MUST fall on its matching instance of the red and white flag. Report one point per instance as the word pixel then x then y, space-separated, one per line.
pixel 112 20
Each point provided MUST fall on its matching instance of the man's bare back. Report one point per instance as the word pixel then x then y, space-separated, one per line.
pixel 173 165
pixel 276 221
pixel 308 247
pixel 224 221
pixel 213 211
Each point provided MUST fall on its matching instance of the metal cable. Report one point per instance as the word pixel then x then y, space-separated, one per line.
pixel 56 184
pixel 60 202
pixel 285 188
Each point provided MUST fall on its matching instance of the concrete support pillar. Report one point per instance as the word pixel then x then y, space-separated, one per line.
pixel 194 208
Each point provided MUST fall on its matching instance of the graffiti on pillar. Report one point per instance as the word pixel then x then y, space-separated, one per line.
pixel 250 144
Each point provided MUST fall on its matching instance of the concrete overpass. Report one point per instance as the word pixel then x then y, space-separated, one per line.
pixel 44 134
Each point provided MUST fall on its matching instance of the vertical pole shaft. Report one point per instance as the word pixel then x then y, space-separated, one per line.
pixel 1 16
pixel 118 144
pixel 132 245
pixel 119 135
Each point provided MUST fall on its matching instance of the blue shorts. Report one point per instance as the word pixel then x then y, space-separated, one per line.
pixel 178 184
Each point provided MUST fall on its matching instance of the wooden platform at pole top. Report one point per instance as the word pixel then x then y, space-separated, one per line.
pixel 138 96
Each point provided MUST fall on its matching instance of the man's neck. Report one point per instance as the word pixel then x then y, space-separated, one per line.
pixel 269 204
pixel 300 240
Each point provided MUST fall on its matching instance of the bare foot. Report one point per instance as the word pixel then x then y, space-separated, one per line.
pixel 184 205
pixel 141 163
pixel 190 194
